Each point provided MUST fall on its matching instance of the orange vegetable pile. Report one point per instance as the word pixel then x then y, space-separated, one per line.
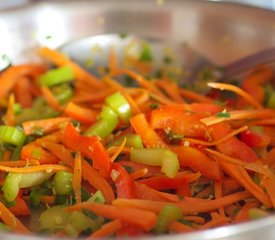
pixel 227 166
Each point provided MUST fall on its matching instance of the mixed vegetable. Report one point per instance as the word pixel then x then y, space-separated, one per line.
pixel 85 156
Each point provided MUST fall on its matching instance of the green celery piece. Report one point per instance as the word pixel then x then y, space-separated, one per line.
pixel 119 105
pixel 132 141
pixel 167 215
pixel 62 183
pixel 73 223
pixel 16 154
pixel 35 198
pixel 101 128
pixel 14 181
pixel 170 166
pixel 97 197
pixel 271 100
pixel 17 108
pixel 256 213
pixel 63 93
pixel 167 160
pixel 146 53
pixel 56 76
pixel 12 135
pixel 106 123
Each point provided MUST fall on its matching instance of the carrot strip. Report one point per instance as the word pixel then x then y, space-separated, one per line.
pixel 112 59
pixel 195 96
pixel 141 218
pixel 95 97
pixel 237 90
pixel 76 182
pixel 242 214
pixel 88 172
pixel 118 151
pixel 178 227
pixel 248 114
pixel 20 163
pixel 188 207
pixel 44 125
pixel 11 221
pixel 226 137
pixel 218 194
pixel 171 89
pixel 107 229
pixel 6 155
pixel 10 115
pixel 195 219
pixel 139 173
pixel 217 220
pixel 36 168
pixel 50 98
pixel 269 184
pixel 22 90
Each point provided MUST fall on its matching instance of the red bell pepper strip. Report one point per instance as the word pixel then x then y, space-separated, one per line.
pixel 124 183
pixel 178 120
pixel 20 208
pixel 198 161
pixel 232 147
pixel 254 140
pixel 162 182
pixel 90 147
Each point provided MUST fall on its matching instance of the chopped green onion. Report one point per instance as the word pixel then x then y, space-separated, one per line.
pixel 168 160
pixel 167 215
pixel 223 114
pixel 146 53
pixel 62 183
pixel 12 135
pixel 57 76
pixel 119 105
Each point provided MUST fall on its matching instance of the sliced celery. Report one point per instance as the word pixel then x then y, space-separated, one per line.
pixel 119 105
pixel 62 183
pixel 63 92
pixel 97 197
pixel 14 181
pixel 57 76
pixel 168 160
pixel 166 216
pixel 132 140
pixel 12 135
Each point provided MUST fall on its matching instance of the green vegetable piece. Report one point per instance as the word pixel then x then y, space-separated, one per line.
pixel 35 198
pixel 62 183
pixel 146 53
pixel 223 114
pixel 166 216
pixel 14 181
pixel 12 135
pixel 106 123
pixel 120 106
pixel 17 108
pixel 56 76
pixel 132 141
pixel 256 213
pixel 168 160
pixel 97 197
pixel 63 93
pixel 271 100
pixel 72 223
pixel 4 227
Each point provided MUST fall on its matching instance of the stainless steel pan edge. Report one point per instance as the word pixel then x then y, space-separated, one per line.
pixel 209 27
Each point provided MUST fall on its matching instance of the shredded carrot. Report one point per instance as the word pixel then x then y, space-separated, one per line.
pixel 118 151
pixel 139 173
pixel 10 115
pixel 20 163
pixel 218 194
pixel 76 182
pixel 237 90
pixel 107 229
pixel 6 155
pixel 50 98
pixel 195 96
pixel 36 168
pixel 217 220
pixel 178 227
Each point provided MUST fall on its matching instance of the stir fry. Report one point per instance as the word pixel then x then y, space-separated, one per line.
pixel 86 156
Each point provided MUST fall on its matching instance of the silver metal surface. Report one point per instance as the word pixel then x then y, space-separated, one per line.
pixel 222 32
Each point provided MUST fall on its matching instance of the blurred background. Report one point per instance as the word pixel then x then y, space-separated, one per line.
pixel 270 4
